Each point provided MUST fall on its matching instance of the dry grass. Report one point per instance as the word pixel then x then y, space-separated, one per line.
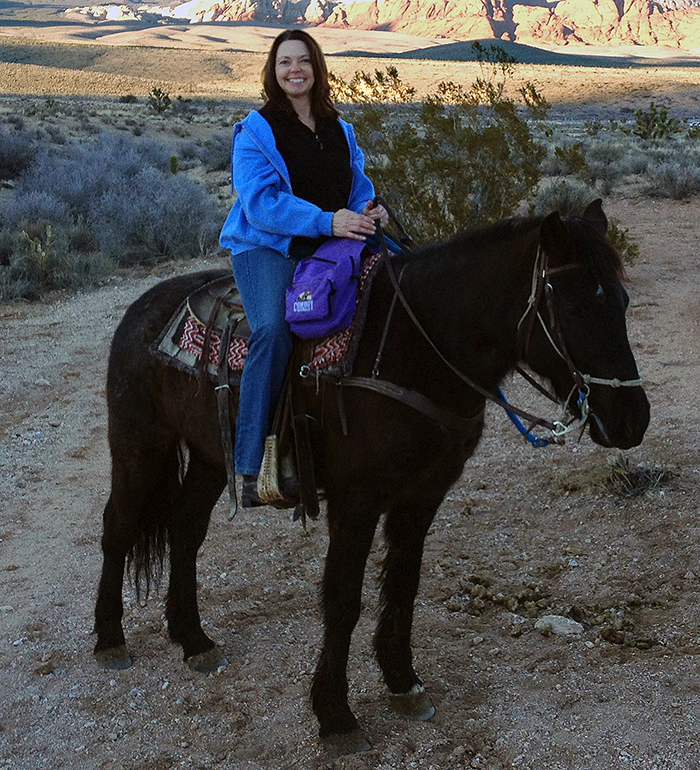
pixel 626 480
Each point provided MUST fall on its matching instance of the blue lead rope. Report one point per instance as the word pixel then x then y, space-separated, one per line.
pixel 536 441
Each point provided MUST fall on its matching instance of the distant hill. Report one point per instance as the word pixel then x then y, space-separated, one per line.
pixel 673 23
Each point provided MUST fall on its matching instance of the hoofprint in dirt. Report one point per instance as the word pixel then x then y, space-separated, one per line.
pixel 526 533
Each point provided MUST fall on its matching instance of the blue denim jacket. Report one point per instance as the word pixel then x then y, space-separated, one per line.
pixel 266 212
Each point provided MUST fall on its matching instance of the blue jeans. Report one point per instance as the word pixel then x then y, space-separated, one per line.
pixel 262 276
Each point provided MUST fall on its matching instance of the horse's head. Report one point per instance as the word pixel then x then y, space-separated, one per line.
pixel 574 331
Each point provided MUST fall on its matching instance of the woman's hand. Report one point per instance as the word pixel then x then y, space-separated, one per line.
pixel 378 213
pixel 349 224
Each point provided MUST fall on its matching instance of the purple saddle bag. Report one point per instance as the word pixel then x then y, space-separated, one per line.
pixel 322 297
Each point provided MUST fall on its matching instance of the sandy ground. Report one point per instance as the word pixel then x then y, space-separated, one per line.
pixel 531 525
pixel 525 533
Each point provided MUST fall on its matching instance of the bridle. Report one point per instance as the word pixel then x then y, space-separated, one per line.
pixel 541 286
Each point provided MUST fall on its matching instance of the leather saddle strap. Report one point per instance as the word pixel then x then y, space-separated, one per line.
pixel 223 396
pixel 206 345
pixel 416 400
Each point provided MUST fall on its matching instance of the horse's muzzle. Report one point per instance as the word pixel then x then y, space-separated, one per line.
pixel 621 419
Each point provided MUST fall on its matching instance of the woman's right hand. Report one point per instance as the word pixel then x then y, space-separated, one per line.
pixel 349 224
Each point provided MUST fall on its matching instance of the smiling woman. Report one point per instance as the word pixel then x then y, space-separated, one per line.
pixel 299 178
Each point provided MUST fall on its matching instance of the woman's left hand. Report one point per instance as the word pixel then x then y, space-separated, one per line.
pixel 378 213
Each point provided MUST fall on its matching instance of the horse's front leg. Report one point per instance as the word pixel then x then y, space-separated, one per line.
pixel 351 532
pixel 405 529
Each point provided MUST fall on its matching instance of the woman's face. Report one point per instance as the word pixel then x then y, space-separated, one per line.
pixel 293 69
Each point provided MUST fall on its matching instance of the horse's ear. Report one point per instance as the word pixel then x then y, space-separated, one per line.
pixel 595 215
pixel 554 237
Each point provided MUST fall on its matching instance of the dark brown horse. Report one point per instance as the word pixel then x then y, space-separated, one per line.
pixel 544 292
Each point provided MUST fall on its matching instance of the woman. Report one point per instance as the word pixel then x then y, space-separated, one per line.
pixel 299 176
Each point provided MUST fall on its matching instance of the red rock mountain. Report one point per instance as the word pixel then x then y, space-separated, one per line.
pixel 676 23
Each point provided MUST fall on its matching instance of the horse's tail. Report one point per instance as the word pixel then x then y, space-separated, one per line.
pixel 146 556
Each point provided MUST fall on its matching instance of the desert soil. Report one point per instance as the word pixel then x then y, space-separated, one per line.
pixel 525 533
pixel 532 525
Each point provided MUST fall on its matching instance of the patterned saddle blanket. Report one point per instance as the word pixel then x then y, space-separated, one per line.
pixel 188 335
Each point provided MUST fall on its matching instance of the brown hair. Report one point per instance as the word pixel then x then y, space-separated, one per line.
pixel 321 104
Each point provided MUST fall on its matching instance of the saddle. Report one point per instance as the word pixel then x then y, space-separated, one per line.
pixel 207 337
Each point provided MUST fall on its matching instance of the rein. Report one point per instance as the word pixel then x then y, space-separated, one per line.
pixel 417 400
pixel 540 287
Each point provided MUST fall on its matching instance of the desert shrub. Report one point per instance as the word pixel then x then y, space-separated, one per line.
pixel 570 198
pixel 128 99
pixel 216 152
pixel 620 238
pixel 188 108
pixel 79 173
pixel 41 258
pixel 18 149
pixel 8 245
pixel 607 150
pixel 151 216
pixel 382 87
pixel 673 179
pixel 84 207
pixel 56 135
pixel 612 159
pixel 569 160
pixel 188 150
pixel 463 158
pixel 158 100
pixel 567 196
pixel 24 208
pixel 655 123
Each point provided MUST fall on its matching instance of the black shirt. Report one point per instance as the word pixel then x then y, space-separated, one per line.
pixel 318 164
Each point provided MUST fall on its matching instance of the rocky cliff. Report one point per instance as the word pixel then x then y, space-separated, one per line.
pixel 674 23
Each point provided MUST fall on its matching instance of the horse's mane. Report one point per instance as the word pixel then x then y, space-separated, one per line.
pixel 593 249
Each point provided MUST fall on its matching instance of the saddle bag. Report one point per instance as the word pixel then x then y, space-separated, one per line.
pixel 322 297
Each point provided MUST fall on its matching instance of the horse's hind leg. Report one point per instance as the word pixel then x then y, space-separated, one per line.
pixel 351 532
pixel 201 488
pixel 405 530
pixel 110 650
pixel 144 480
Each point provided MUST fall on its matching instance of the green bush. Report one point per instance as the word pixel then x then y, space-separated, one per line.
pixel 656 123
pixel 464 157
pixel 573 160
pixel 42 258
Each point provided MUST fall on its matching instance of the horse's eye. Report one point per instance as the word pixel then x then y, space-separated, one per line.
pixel 572 309
pixel 600 294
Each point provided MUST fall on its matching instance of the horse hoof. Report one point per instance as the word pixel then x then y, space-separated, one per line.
pixel 414 704
pixel 207 662
pixel 340 745
pixel 115 659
